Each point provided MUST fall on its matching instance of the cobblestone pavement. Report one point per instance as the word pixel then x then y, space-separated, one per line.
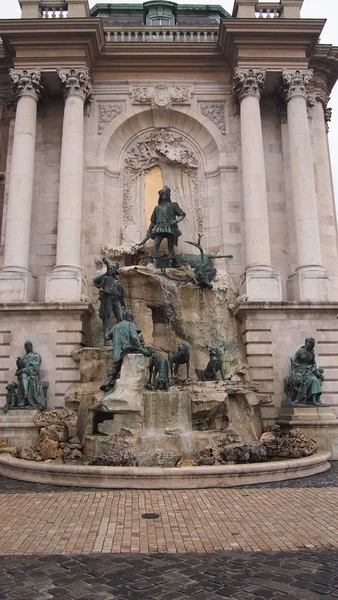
pixel 275 541
pixel 305 575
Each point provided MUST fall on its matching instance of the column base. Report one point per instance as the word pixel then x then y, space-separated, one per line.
pixel 310 284
pixel 262 283
pixel 65 285
pixel 17 286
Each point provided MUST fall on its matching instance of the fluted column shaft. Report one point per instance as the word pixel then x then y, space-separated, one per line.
pixel 26 84
pixel 248 84
pixel 77 90
pixel 302 175
pixel 65 283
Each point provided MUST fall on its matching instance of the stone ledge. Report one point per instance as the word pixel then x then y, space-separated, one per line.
pixel 46 306
pixel 285 306
pixel 163 478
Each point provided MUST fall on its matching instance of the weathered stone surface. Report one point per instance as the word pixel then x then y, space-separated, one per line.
pixel 209 409
pixel 236 453
pixel 159 459
pixel 59 416
pixel 287 443
pixel 54 432
pixel 169 411
pixel 3 442
pixel 94 363
pixel 49 449
pixel 126 396
pixel 114 458
pixel 27 453
pixel 9 450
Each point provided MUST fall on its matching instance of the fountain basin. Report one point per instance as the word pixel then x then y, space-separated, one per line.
pixel 155 478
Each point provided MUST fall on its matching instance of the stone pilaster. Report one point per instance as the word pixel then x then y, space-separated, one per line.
pixel 65 283
pixel 261 282
pixel 16 282
pixel 310 282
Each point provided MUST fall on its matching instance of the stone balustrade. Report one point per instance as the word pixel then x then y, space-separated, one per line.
pixel 160 34
pixel 57 11
pixel 287 9
pixel 268 10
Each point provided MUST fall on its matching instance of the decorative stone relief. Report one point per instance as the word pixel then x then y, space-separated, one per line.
pixel 108 112
pixel 328 117
pixel 297 83
pixel 153 149
pixel 248 82
pixel 161 96
pixel 76 82
pixel 26 82
pixel 214 112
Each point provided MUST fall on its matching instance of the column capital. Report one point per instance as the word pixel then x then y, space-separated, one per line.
pixel 296 83
pixel 76 82
pixel 248 82
pixel 26 82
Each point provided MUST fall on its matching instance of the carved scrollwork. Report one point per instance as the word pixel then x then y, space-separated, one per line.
pixel 155 149
pixel 108 112
pixel 76 82
pixel 297 83
pixel 215 112
pixel 161 96
pixel 26 82
pixel 248 82
pixel 328 117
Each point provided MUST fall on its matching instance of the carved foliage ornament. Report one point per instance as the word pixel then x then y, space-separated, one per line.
pixel 76 82
pixel 161 96
pixel 248 82
pixel 108 112
pixel 26 82
pixel 214 112
pixel 297 83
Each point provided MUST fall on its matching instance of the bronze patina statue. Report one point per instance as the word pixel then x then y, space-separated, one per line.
pixel 158 371
pixel 163 224
pixel 29 392
pixel 303 386
pixel 127 339
pixel 112 295
pixel 214 366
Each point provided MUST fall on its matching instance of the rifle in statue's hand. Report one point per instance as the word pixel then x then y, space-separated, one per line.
pixel 144 241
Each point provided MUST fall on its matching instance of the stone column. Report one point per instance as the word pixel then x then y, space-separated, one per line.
pixel 261 282
pixel 16 282
pixel 65 283
pixel 310 282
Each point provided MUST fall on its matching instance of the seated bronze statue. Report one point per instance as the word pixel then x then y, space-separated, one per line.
pixel 303 386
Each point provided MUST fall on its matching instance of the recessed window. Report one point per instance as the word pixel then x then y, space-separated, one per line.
pixel 160 21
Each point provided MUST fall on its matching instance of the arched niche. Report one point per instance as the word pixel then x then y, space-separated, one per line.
pixel 184 151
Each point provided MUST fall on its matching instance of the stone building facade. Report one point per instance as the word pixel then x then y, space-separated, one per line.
pixel 229 110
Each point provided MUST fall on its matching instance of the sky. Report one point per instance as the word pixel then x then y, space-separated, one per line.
pixel 323 9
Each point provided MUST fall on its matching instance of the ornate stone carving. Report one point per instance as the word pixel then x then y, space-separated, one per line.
pixel 108 112
pixel 161 96
pixel 153 149
pixel 297 83
pixel 76 82
pixel 248 82
pixel 328 117
pixel 26 82
pixel 215 112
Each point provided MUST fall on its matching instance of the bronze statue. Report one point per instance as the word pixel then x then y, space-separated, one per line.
pixel 178 357
pixel 163 224
pixel 214 366
pixel 112 295
pixel 303 385
pixel 29 392
pixel 158 371
pixel 127 339
pixel 205 272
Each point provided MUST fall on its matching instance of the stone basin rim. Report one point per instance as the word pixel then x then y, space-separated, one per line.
pixel 163 477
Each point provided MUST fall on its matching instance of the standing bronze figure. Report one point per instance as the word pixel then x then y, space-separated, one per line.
pixel 163 224
pixel 112 296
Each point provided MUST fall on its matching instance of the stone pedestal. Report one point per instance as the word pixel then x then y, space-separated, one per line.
pixel 318 422
pixel 127 396
pixel 18 427
pixel 17 286
pixel 310 284
pixel 262 283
